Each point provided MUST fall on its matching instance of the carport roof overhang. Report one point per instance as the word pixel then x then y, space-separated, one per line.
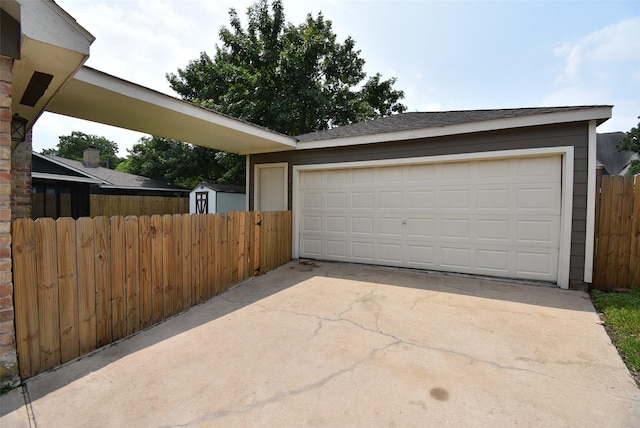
pixel 99 97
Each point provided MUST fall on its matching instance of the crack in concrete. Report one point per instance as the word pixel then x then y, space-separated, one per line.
pixel 297 391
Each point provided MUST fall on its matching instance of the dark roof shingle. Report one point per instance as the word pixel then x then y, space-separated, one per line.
pixel 421 120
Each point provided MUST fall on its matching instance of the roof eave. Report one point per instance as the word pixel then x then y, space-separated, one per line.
pixel 598 113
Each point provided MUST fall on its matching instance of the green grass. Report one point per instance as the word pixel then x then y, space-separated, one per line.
pixel 621 317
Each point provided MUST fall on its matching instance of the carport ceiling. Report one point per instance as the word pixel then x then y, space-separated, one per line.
pixel 99 97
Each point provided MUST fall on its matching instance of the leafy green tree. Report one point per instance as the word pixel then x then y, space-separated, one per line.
pixel 72 146
pixel 631 143
pixel 183 164
pixel 290 78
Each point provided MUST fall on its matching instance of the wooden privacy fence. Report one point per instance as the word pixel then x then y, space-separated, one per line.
pixel 82 284
pixel 617 246
pixel 111 205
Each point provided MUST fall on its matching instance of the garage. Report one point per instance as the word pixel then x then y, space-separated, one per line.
pixel 501 192
pixel 498 217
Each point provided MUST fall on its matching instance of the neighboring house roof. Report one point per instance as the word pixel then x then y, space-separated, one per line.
pixel 223 188
pixel 613 161
pixel 105 177
pixel 413 121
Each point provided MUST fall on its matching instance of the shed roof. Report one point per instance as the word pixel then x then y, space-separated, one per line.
pixel 223 188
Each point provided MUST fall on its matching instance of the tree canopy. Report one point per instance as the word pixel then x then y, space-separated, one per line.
pixel 72 146
pixel 631 143
pixel 183 164
pixel 290 78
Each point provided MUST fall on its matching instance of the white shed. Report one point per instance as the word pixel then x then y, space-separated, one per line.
pixel 208 198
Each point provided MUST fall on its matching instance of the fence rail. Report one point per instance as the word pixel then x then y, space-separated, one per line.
pixel 81 284
pixel 125 205
pixel 617 245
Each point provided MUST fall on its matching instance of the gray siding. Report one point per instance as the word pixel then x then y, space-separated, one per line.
pixel 571 134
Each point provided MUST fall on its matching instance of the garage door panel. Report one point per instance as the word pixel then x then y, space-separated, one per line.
pixel 336 200
pixel 362 200
pixel 420 228
pixel 336 224
pixel 493 261
pixel 455 257
pixel 458 199
pixel 390 252
pixel 455 228
pixel 494 199
pixel 336 248
pixel 390 200
pixel 362 225
pixel 495 230
pixel 539 169
pixel 311 201
pixel 422 255
pixel 312 224
pixel 362 250
pixel 536 264
pixel 421 199
pixel 495 217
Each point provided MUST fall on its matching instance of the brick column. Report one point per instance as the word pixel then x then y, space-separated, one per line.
pixel 8 357
pixel 21 179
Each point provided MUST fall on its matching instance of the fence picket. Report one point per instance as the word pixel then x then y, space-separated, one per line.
pixel 157 292
pixel 68 289
pixel 132 273
pixel 186 261
pixel 168 285
pixel 118 279
pixel 103 281
pixel 26 297
pixel 210 273
pixel 85 254
pixel 176 263
pixel 48 305
pixel 146 302
pixel 195 258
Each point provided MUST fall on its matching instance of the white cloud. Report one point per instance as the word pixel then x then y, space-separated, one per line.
pixel 595 55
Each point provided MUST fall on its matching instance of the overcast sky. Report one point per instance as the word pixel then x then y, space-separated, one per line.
pixel 446 55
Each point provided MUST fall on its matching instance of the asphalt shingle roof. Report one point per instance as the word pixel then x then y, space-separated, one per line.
pixel 421 120
pixel 116 178
pixel 611 159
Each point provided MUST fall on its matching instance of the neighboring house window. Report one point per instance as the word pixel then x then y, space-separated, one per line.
pixel 202 203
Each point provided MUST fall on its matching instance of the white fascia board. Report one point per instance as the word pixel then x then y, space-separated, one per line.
pixel 599 113
pixel 45 21
pixel 132 90
pixel 58 177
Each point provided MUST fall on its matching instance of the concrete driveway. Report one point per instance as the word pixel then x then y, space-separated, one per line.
pixel 328 344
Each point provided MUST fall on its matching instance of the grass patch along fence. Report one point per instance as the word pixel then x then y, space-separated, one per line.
pixel 82 284
pixel 621 316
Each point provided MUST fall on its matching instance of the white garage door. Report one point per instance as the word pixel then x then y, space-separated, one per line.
pixel 492 217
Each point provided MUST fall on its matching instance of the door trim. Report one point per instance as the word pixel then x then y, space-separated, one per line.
pixel 256 182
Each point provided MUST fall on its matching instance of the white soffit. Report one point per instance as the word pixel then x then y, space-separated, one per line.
pixel 597 113
pixel 99 97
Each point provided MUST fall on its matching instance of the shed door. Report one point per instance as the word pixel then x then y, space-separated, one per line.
pixel 491 217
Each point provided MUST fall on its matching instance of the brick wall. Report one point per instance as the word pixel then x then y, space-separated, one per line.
pixel 8 359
